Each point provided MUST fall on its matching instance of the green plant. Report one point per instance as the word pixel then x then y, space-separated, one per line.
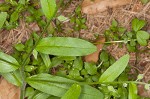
pixel 78 20
pixel 131 38
pixel 144 1
pixel 52 67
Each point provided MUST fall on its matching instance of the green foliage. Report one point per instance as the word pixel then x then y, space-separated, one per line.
pixel 65 46
pixel 90 68
pixel 130 38
pixel 53 68
pixel 137 24
pixel 142 37
pixel 132 91
pixel 3 16
pixel 13 77
pixel 49 8
pixel 46 83
pixel 115 70
pixel 78 20
pixel 8 63
pixel 73 92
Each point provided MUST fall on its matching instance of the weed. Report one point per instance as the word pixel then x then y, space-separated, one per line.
pixel 52 67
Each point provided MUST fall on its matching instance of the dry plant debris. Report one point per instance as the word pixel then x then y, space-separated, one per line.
pixel 8 91
pixel 96 6
pixel 94 57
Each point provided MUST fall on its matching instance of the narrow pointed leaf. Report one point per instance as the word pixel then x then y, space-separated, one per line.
pixel 73 92
pixel 132 91
pixel 41 96
pixel 65 46
pixel 58 86
pixel 49 8
pixel 115 70
pixel 7 63
pixel 46 59
pixel 3 16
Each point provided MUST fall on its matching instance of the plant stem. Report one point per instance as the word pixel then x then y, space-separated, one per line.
pixel 119 82
pixel 98 83
pixel 22 96
pixel 121 41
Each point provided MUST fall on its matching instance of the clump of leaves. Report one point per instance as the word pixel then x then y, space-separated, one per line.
pixel 78 20
pixel 115 32
pixel 137 36
pixel 131 38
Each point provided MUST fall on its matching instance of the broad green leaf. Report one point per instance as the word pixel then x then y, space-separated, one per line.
pixel 46 59
pixel 115 70
pixel 78 63
pixel 56 61
pixel 13 77
pixel 74 73
pixel 19 47
pixel 14 16
pixel 49 8
pixel 90 68
pixel 73 92
pixel 143 35
pixel 65 46
pixel 3 16
pixel 131 48
pixel 7 63
pixel 58 86
pixel 132 91
pixel 137 24
pixel 104 56
pixel 29 91
pixel 123 93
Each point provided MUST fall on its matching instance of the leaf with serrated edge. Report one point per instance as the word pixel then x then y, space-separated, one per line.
pixel 58 86
pixel 65 46
pixel 115 70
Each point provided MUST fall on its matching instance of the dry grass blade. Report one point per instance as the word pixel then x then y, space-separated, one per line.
pixel 95 6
